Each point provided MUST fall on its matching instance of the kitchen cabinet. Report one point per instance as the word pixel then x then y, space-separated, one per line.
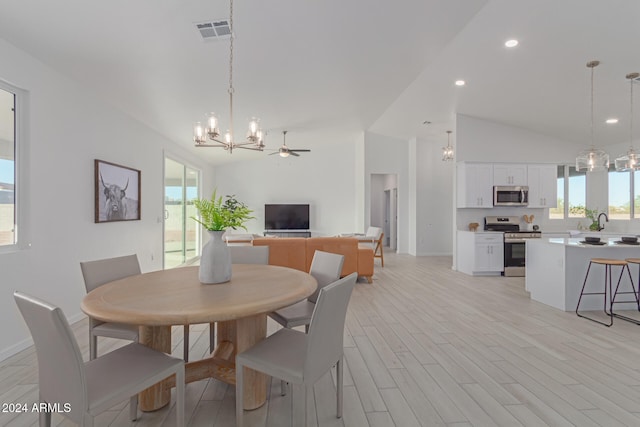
pixel 543 186
pixel 480 253
pixel 509 174
pixel 475 185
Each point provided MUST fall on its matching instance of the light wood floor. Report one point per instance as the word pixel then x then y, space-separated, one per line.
pixel 424 346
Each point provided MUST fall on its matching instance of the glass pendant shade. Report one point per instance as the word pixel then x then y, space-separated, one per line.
pixel 447 152
pixel 593 159
pixel 629 161
pixel 199 136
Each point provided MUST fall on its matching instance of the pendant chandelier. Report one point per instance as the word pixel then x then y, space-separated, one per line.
pixel 629 161
pixel 447 152
pixel 592 159
pixel 254 138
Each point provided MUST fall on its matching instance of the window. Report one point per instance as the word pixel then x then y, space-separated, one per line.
pixel 577 191
pixel 636 195
pixel 181 233
pixel 8 187
pixel 619 194
pixel 572 193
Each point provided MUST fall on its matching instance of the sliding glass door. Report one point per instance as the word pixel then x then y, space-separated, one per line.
pixel 181 234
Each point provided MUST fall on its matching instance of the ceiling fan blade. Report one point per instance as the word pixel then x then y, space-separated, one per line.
pixel 276 152
pixel 294 154
pixel 302 150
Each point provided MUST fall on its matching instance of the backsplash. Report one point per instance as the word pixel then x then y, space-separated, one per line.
pixel 466 216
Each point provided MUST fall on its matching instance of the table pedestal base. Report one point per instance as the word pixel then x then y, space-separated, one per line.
pixel 233 336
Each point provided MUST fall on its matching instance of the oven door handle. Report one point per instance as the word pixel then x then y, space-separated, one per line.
pixel 515 240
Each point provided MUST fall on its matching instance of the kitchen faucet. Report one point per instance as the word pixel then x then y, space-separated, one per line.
pixel 605 217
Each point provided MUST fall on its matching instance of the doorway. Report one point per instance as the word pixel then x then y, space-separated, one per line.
pixel 181 233
pixel 384 207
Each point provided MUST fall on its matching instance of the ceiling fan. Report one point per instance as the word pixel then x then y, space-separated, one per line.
pixel 285 151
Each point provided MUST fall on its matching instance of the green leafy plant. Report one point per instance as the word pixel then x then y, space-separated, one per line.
pixel 217 214
pixel 592 214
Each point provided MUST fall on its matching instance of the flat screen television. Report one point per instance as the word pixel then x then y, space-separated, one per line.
pixel 286 217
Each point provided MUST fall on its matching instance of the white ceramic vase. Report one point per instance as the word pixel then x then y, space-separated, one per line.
pixel 215 261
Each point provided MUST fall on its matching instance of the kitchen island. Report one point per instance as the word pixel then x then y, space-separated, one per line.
pixel 556 267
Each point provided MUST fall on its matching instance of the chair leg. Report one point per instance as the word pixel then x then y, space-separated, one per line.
pixel 180 397
pixel 339 382
pixel 185 344
pixel 212 337
pixel 239 394
pixel 133 408
pixel 93 346
pixel 299 404
pixel 633 291
pixel 607 272
pixel 44 419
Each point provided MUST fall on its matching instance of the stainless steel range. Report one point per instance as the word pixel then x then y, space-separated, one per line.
pixel 514 242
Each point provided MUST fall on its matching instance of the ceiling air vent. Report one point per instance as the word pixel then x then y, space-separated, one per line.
pixel 214 30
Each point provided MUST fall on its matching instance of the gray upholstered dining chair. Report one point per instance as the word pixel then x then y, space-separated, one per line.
pixel 84 390
pixel 325 268
pixel 97 273
pixel 302 359
pixel 242 255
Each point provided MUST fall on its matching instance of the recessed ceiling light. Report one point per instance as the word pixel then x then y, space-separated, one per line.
pixel 511 43
pixel 460 82
pixel 612 121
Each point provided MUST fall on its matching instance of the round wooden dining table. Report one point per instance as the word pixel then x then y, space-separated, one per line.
pixel 158 300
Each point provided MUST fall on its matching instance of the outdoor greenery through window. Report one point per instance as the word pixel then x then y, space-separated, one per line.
pixel 7 167
pixel 624 194
pixel 572 187
pixel 619 194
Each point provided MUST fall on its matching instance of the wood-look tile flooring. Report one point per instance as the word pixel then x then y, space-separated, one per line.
pixel 424 346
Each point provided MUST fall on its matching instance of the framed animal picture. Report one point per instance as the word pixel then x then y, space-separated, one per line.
pixel 117 192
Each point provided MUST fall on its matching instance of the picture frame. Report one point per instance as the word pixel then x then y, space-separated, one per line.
pixel 117 192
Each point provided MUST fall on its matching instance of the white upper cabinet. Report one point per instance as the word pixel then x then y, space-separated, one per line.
pixel 509 174
pixel 543 186
pixel 475 185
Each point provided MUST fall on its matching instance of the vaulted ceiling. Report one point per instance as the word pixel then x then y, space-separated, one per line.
pixel 326 70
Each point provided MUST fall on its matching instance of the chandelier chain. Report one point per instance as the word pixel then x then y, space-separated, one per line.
pixel 631 114
pixel 592 72
pixel 231 90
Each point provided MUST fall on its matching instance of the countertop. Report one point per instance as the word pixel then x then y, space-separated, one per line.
pixel 610 242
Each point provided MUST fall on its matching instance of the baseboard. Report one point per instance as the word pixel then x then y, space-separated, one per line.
pixel 435 254
pixel 27 342
pixel 16 348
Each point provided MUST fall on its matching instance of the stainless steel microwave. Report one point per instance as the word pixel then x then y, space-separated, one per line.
pixel 510 195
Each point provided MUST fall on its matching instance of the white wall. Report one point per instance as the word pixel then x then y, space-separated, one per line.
pixel 378 186
pixel 480 140
pixel 69 128
pixel 323 179
pixel 434 200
